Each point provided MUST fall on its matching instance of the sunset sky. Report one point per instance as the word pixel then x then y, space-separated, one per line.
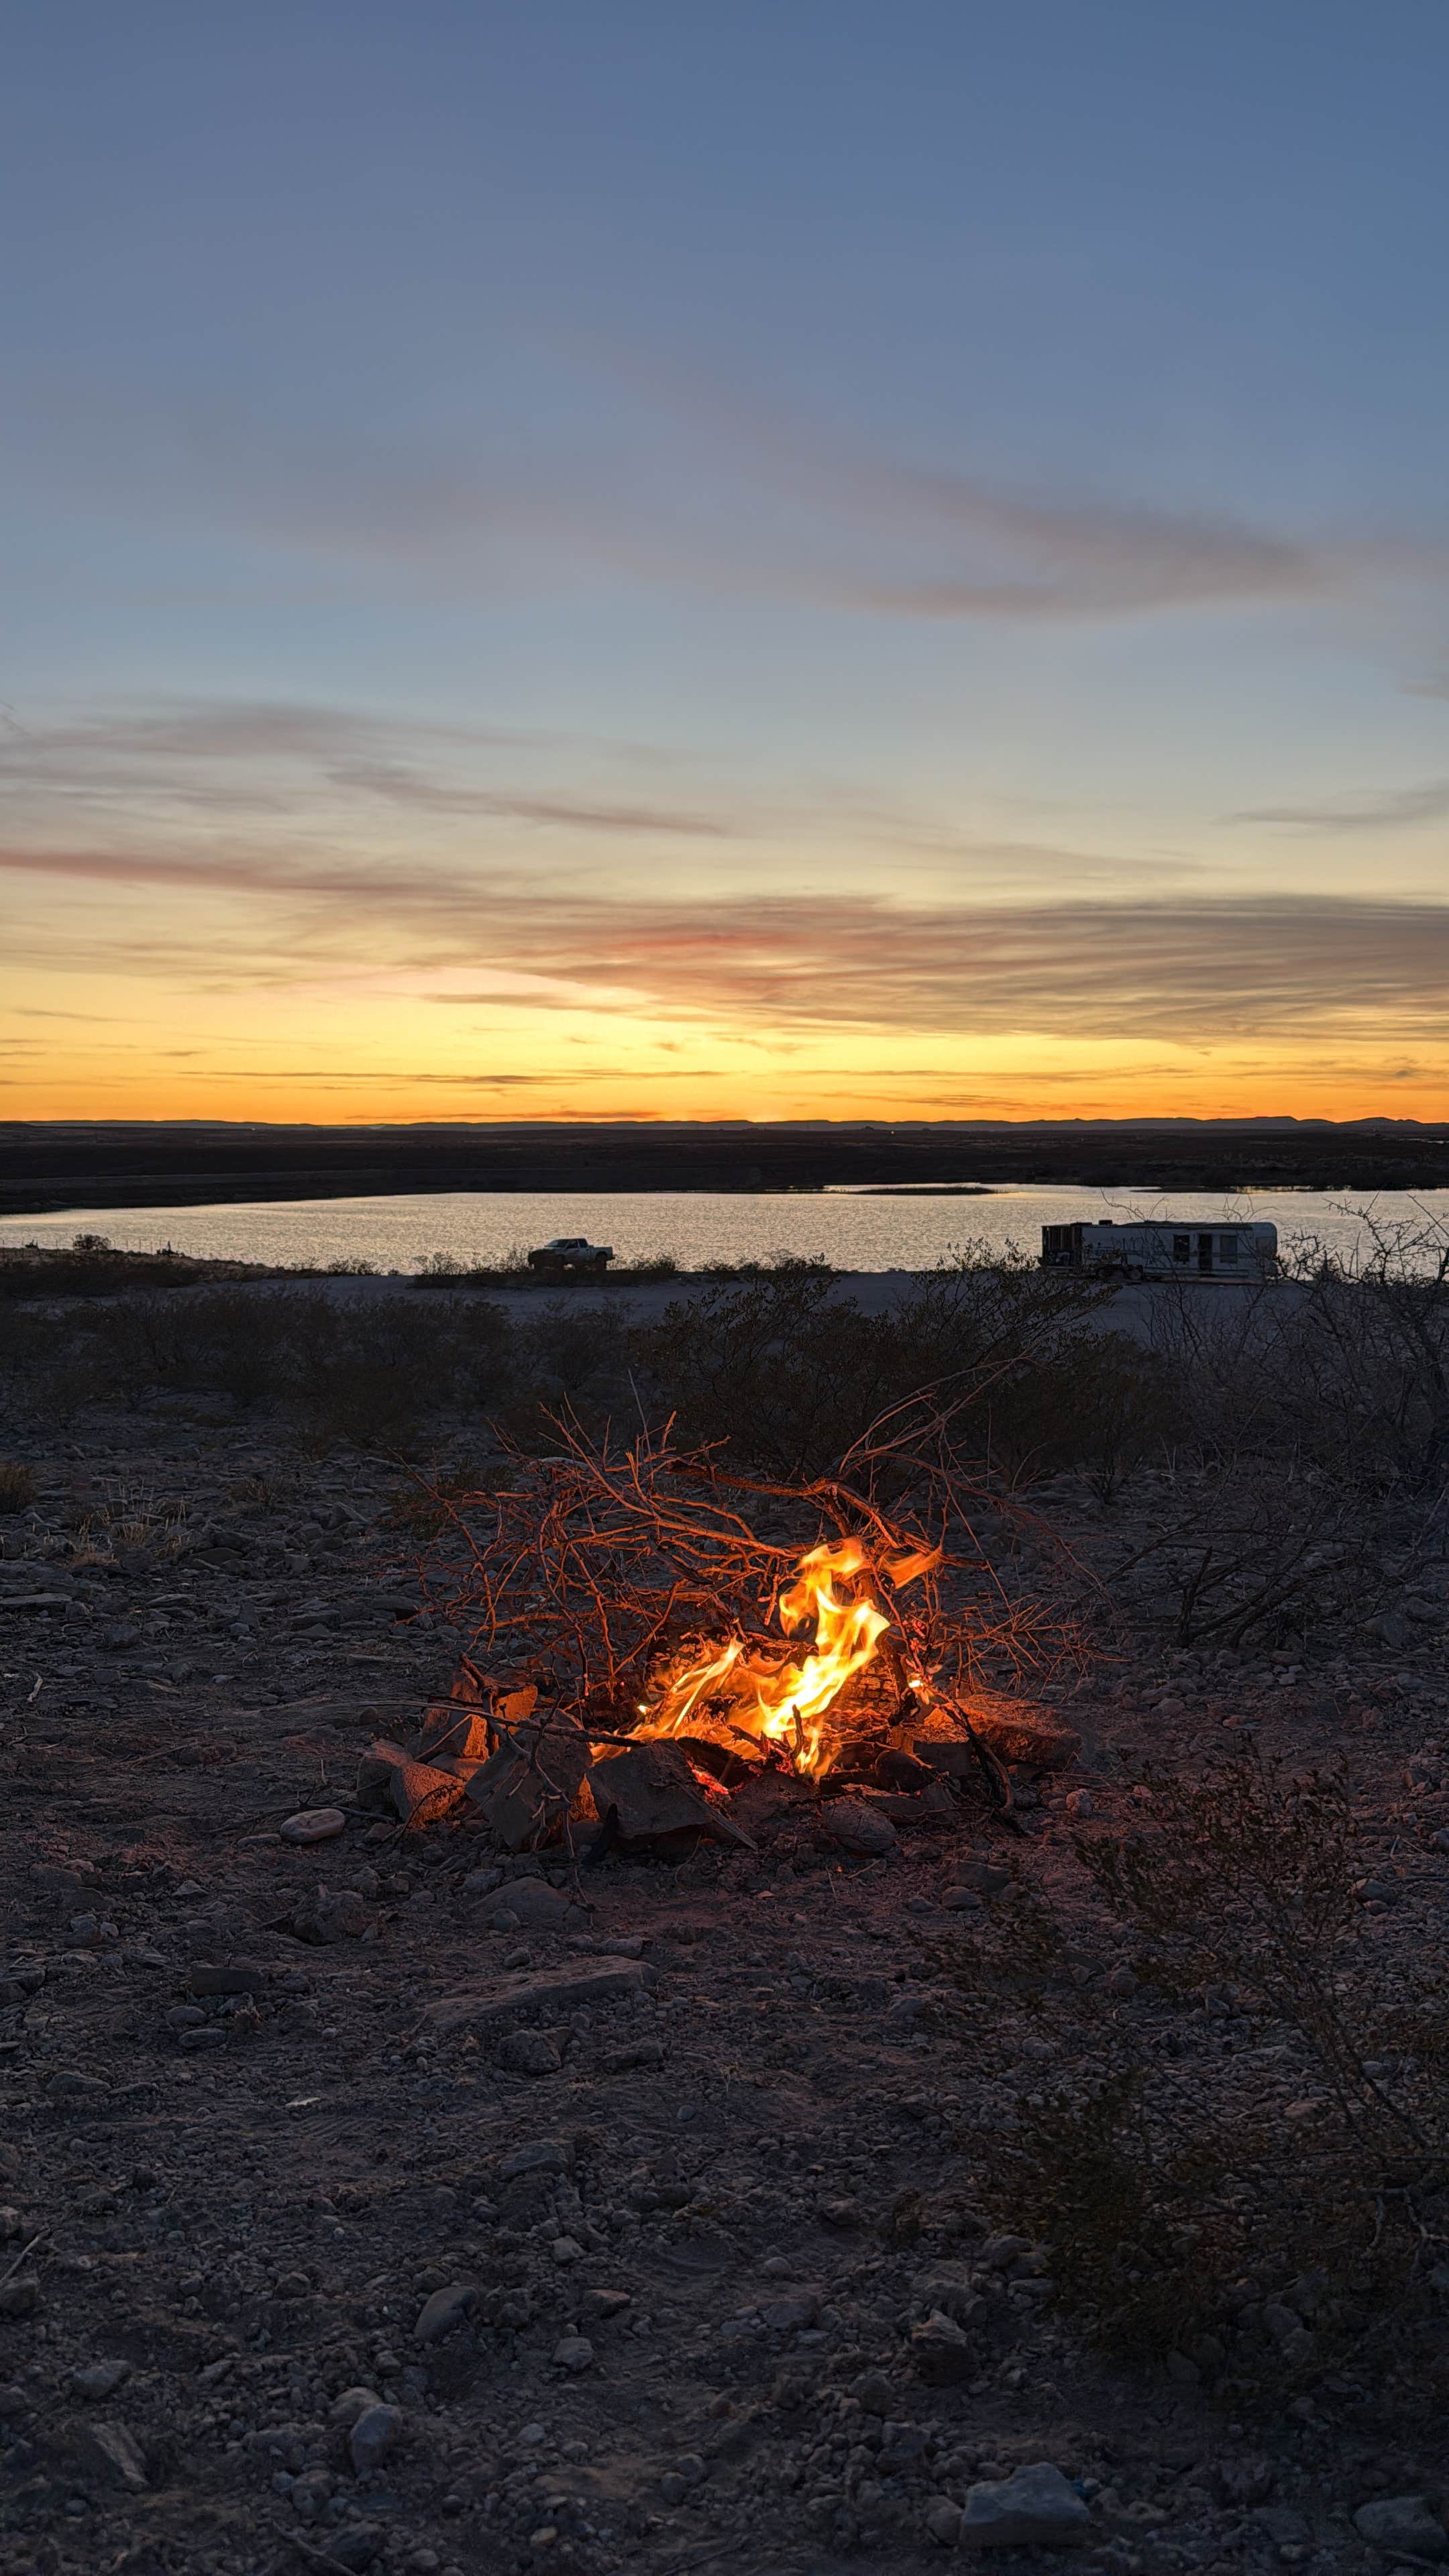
pixel 639 558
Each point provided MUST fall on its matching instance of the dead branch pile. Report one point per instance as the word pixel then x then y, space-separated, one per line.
pixel 585 1568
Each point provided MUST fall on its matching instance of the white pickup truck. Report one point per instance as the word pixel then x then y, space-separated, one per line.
pixel 571 1252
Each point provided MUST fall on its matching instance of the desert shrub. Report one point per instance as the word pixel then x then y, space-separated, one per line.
pixel 1342 1365
pixel 787 1375
pixel 1182 2214
pixel 18 1485
pixel 372 1373
pixel 240 1344
pixel 778 1370
pixel 647 1268
pixel 575 1350
pixel 445 1270
pixel 1086 1399
pixel 73 1273
pixel 375 1376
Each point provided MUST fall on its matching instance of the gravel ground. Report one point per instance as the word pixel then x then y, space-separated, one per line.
pixel 309 2266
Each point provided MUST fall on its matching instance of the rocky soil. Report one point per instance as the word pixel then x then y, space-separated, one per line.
pixel 314 2259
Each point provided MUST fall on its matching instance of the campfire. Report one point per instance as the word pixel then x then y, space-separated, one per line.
pixel 655 1659
pixel 736 1695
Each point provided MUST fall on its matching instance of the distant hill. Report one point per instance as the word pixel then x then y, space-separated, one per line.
pixel 50 1166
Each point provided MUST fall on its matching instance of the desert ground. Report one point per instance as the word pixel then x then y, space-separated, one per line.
pixel 402 2201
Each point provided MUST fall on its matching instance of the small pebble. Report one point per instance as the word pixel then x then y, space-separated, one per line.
pixel 314 1825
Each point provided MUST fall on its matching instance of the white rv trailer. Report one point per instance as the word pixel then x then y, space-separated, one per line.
pixel 1162 1248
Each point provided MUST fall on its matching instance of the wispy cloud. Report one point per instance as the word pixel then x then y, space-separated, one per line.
pixel 1393 809
pixel 1189 969
pixel 664 490
pixel 249 758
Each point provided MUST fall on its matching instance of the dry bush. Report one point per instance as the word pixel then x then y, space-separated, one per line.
pixel 74 1273
pixel 372 1375
pixel 593 1560
pixel 18 1485
pixel 1250 1549
pixel 573 1352
pixel 1305 1448
pixel 1182 2214
pixel 444 1270
pixel 785 1374
pixel 1343 1366
pixel 131 1516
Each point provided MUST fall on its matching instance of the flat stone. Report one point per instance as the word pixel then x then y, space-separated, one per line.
pixel 987 1877
pixel 352 2403
pixel 527 1787
pixel 575 2353
pixel 100 2378
pixel 541 1908
pixel 243 1977
pixel 876 2393
pixel 72 2084
pixel 786 2316
pixel 444 2312
pixel 330 1914
pixel 858 1827
pixel 540 2155
pixel 998 2253
pixel 640 2052
pixel 552 1990
pixel 1286 2528
pixel 604 2304
pixel 314 1825
pixel 528 2052
pixel 112 2452
pixel 355 2544
pixel 450 1728
pixel 420 1794
pixel 1402 2524
pixel 657 1795
pixel 1035 2508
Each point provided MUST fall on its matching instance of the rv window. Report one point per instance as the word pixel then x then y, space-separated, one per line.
pixel 1181 1248
pixel 1227 1247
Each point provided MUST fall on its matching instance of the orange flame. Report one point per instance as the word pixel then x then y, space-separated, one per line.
pixel 733 1692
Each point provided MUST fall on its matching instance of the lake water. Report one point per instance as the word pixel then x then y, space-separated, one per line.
pixel 853 1230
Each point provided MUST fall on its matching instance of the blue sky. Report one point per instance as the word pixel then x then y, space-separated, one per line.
pixel 667 504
